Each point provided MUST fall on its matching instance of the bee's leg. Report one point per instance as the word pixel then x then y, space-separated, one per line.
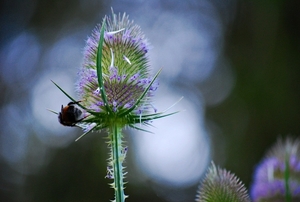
pixel 73 103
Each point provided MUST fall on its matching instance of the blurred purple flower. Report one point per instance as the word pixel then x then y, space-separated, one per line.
pixel 269 178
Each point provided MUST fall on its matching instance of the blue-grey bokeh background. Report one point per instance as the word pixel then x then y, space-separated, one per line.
pixel 235 62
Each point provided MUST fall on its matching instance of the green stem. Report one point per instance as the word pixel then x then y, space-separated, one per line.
pixel 117 155
pixel 286 179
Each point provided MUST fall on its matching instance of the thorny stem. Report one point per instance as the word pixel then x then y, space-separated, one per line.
pixel 117 160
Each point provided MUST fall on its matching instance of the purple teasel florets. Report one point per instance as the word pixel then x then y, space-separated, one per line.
pixel 125 68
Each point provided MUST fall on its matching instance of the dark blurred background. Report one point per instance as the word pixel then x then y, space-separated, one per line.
pixel 237 64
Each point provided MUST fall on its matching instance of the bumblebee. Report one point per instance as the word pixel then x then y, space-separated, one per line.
pixel 70 114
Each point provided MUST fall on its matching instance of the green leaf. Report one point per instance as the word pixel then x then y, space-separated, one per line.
pixel 78 103
pixel 66 94
pixel 99 67
pixel 54 112
pixel 141 97
pixel 84 134
pixel 137 128
pixel 149 117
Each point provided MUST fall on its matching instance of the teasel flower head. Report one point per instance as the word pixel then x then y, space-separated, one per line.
pixel 125 68
pixel 114 83
pixel 219 185
pixel 277 176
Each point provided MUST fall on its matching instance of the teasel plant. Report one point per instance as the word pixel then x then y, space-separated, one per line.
pixel 277 176
pixel 115 90
pixel 220 185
